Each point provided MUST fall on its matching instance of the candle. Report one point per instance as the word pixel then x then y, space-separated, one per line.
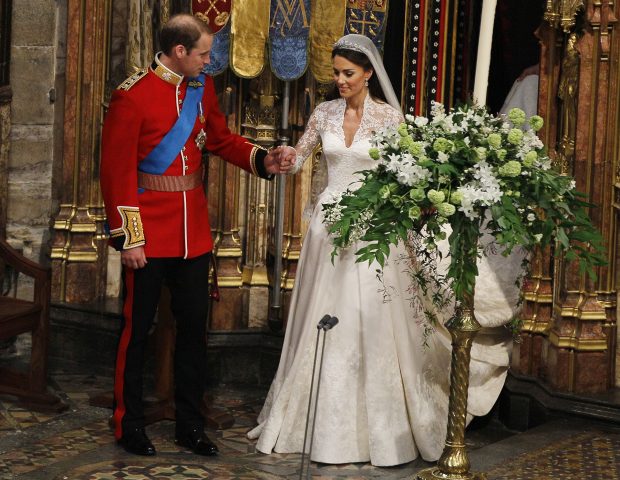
pixel 483 60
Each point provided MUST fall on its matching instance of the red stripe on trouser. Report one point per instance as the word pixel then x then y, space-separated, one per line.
pixel 121 355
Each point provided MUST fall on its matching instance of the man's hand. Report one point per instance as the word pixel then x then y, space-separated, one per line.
pixel 133 258
pixel 280 160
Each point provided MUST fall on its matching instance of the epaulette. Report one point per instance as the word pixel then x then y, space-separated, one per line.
pixel 133 79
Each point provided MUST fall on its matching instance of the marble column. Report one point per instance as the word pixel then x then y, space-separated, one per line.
pixel 580 74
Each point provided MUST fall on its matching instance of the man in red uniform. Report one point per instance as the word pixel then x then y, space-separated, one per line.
pixel 158 122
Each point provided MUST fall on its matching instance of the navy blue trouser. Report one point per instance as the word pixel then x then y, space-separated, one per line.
pixel 188 281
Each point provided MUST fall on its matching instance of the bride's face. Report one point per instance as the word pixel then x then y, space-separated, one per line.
pixel 349 77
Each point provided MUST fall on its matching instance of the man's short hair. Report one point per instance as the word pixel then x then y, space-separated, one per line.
pixel 182 29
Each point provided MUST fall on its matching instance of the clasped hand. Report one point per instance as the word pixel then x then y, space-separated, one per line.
pixel 280 159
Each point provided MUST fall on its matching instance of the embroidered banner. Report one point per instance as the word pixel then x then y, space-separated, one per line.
pixel 214 13
pixel 249 33
pixel 326 26
pixel 367 17
pixel 288 38
pixel 219 52
pixel 434 53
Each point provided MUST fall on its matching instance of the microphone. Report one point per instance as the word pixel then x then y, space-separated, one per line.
pixel 331 323
pixel 327 323
pixel 323 322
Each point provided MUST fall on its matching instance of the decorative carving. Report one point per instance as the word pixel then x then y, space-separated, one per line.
pixel 563 13
pixel 164 10
pixel 262 112
pixel 567 92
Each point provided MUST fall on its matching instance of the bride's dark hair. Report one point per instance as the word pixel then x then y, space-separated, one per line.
pixel 360 60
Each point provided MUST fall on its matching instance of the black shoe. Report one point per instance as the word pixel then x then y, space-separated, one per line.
pixel 135 441
pixel 198 442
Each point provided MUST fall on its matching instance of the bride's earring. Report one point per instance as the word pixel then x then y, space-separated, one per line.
pixel 366 82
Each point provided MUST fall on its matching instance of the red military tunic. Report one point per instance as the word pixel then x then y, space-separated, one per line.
pixel 142 110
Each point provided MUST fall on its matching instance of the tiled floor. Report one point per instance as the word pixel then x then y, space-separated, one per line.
pixel 78 444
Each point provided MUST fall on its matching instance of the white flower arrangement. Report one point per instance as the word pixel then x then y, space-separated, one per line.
pixel 469 169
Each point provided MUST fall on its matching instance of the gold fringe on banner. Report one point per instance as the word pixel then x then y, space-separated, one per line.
pixel 326 26
pixel 249 34
pixel 139 48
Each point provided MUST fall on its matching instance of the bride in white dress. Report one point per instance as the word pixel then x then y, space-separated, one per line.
pixel 383 395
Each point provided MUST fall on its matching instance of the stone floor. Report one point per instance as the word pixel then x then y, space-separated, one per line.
pixel 78 444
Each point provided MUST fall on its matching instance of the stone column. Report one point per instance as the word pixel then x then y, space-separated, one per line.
pixel 78 240
pixel 5 129
pixel 27 189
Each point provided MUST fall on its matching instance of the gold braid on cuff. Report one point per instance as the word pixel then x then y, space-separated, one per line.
pixel 131 227
pixel 253 158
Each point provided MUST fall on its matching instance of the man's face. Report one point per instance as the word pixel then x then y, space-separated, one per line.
pixel 192 63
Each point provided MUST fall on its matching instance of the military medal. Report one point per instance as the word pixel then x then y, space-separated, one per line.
pixel 202 115
pixel 201 138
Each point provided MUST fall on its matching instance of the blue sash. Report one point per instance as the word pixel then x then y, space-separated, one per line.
pixel 162 156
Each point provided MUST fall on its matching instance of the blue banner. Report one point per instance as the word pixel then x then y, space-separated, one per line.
pixel 219 52
pixel 289 28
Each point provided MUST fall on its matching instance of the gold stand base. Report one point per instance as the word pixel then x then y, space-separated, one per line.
pixel 434 473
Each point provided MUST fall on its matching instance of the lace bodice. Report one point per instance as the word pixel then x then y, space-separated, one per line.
pixel 325 126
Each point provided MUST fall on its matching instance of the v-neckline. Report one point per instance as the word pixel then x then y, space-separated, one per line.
pixel 344 110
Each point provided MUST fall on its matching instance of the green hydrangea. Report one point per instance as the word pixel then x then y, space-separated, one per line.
pixel 481 152
pixel 417 195
pixel 416 149
pixel 436 197
pixel 402 130
pixel 515 136
pixel 517 116
pixel 530 158
pixel 456 198
pixel 442 145
pixel 374 153
pixel 406 143
pixel 415 212
pixel 501 153
pixel 536 122
pixel 511 168
pixel 446 209
pixel 494 140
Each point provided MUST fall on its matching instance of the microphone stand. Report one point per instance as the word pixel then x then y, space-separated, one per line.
pixel 325 324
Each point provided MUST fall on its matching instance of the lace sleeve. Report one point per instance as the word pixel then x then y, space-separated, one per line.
pixel 308 140
pixel 392 116
pixel 382 116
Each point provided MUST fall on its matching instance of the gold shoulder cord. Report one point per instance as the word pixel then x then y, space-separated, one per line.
pixel 131 227
pixel 133 79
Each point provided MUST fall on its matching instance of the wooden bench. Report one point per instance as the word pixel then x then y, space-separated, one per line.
pixel 19 316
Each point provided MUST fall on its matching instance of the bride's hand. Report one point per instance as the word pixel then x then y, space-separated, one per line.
pixel 287 157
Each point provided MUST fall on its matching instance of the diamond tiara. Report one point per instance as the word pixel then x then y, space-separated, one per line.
pixel 347 45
